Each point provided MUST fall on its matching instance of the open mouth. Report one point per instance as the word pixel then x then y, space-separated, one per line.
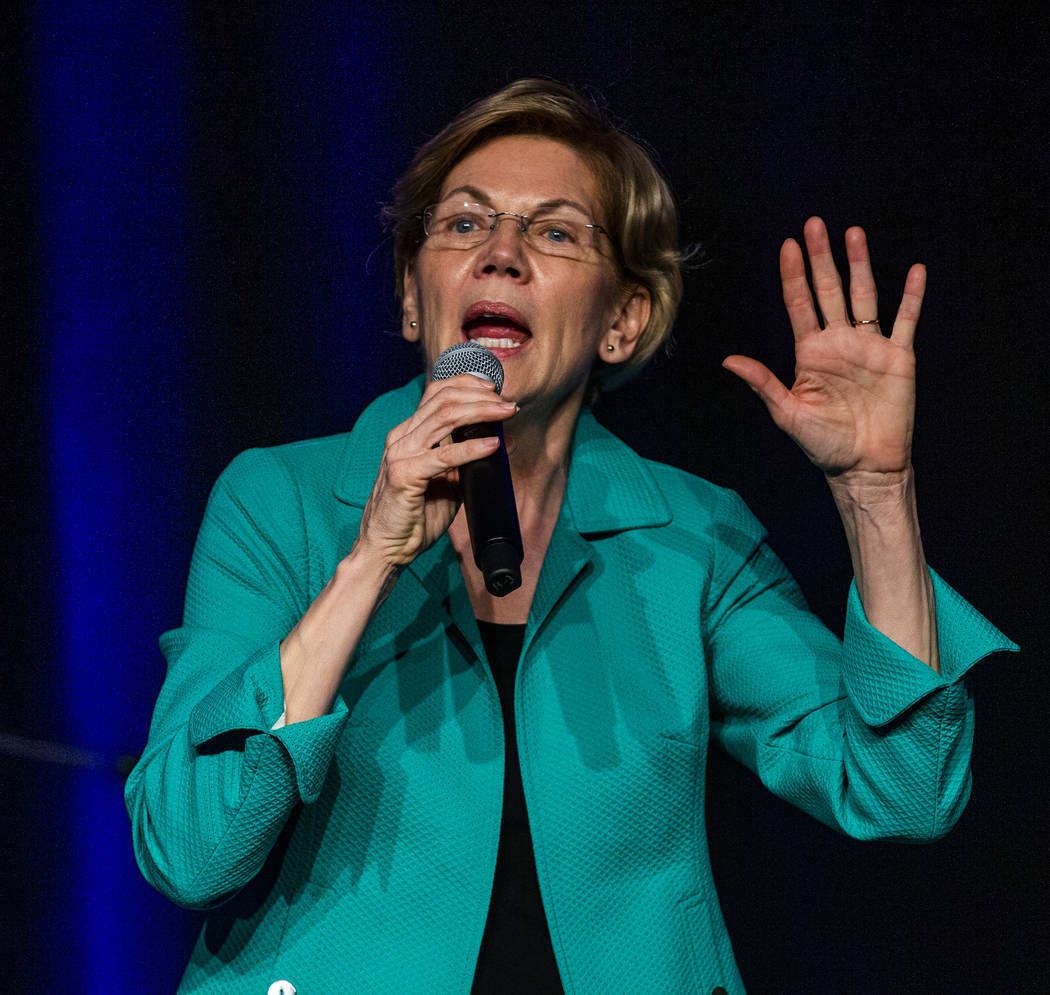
pixel 495 326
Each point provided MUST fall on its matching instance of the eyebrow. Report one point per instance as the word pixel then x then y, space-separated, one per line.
pixel 547 205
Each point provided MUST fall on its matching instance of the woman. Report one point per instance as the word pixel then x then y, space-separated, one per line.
pixel 386 779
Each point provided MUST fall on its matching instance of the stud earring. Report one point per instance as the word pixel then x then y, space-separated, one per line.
pixel 610 348
pixel 411 324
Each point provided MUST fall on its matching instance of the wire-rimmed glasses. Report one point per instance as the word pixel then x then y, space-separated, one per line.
pixel 555 229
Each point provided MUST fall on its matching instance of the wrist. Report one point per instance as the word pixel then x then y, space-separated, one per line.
pixel 365 571
pixel 878 511
pixel 875 491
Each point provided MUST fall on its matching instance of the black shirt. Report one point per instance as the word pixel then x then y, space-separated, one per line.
pixel 516 953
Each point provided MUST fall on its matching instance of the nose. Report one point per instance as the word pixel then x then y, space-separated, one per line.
pixel 503 252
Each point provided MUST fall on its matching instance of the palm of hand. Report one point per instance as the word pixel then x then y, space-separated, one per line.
pixel 851 406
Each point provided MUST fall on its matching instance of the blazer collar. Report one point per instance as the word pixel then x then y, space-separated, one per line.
pixel 610 487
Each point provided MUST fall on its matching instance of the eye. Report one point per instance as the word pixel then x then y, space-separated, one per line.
pixel 464 225
pixel 556 231
pixel 459 222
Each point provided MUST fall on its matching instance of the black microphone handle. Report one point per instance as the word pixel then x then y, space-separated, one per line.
pixel 492 515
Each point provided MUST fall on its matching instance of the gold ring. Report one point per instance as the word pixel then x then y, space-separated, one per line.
pixel 865 321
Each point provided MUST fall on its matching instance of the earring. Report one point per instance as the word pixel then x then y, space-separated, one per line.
pixel 411 324
pixel 610 348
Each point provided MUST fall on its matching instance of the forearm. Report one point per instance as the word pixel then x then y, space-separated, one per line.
pixel 879 514
pixel 315 654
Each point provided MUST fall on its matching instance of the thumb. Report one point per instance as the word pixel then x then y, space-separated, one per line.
pixel 759 378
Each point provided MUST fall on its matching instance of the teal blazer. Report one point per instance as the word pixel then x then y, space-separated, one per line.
pixel 355 852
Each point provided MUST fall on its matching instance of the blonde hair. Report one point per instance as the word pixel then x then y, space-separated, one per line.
pixel 638 207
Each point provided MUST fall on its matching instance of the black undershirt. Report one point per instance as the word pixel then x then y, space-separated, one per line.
pixel 516 953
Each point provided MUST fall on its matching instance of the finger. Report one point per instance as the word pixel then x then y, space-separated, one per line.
pixel 413 473
pixel 797 298
pixel 826 281
pixel 435 428
pixel 763 382
pixel 453 455
pixel 911 305
pixel 459 380
pixel 463 385
pixel 461 390
pixel 863 297
pixel 455 413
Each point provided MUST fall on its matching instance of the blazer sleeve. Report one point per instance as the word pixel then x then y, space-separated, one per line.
pixel 858 733
pixel 216 784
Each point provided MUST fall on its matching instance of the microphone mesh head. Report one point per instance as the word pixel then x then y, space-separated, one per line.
pixel 469 357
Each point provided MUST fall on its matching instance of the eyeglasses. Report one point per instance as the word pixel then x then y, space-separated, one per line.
pixel 557 231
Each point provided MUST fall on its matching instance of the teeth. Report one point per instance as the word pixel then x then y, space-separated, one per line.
pixel 489 343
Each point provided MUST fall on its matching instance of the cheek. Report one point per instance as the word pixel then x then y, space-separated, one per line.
pixel 596 307
pixel 436 277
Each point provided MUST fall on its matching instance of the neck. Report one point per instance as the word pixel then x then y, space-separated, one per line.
pixel 539 443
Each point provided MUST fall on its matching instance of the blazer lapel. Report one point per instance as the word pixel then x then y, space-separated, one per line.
pixel 568 555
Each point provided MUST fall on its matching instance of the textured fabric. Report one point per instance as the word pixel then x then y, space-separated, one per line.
pixel 355 852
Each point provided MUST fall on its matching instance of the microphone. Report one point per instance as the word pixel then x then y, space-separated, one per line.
pixel 488 492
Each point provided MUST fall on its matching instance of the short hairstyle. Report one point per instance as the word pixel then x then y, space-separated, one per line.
pixel 638 208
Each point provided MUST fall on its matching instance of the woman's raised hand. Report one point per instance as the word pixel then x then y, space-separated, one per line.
pixel 852 406
pixel 415 496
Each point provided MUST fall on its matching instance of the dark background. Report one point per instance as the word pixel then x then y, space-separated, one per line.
pixel 193 264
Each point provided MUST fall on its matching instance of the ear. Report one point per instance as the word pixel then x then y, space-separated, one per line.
pixel 619 342
pixel 410 330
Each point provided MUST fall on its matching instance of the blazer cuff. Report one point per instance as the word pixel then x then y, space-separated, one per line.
pixel 250 699
pixel 310 746
pixel 884 681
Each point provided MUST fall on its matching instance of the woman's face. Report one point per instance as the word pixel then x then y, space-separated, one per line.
pixel 545 316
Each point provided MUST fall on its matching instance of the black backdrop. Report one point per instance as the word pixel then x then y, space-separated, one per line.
pixel 193 265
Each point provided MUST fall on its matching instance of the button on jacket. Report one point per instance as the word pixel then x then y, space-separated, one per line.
pixel 355 852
